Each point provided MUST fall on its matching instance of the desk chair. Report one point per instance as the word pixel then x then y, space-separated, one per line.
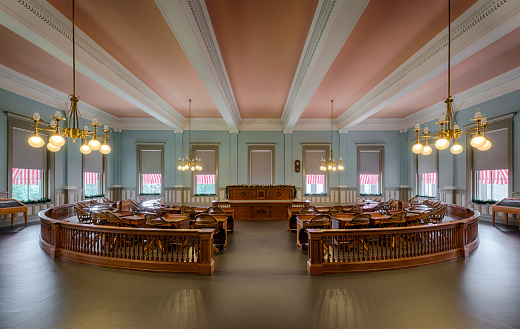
pixel 322 221
pixel 208 221
pixel 83 217
pixel 335 210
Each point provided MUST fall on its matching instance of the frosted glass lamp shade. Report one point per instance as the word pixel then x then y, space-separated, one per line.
pixel 105 148
pixel 57 140
pixel 442 144
pixel 417 148
pixel 486 146
pixel 53 148
pixel 94 144
pixel 456 148
pixel 85 149
pixel 36 141
pixel 478 141
pixel 427 150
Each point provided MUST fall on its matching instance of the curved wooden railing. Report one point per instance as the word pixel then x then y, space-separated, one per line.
pixel 161 250
pixel 360 250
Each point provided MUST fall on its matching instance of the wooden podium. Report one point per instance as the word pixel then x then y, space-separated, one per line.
pixel 259 202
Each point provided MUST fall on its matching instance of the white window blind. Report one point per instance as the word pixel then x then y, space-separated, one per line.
pixel 497 156
pixel 151 162
pixel 369 162
pixel 261 166
pixel 208 161
pixel 94 162
pixel 427 163
pixel 26 156
pixel 313 161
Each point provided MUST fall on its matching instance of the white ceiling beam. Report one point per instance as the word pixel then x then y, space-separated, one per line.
pixel 44 26
pixel 333 22
pixel 189 21
pixel 481 25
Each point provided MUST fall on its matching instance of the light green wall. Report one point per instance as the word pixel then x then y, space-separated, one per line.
pixel 233 157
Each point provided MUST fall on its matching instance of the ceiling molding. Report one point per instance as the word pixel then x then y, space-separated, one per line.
pixel 315 125
pixel 190 23
pixel 24 86
pixel 333 22
pixel 44 26
pixel 379 124
pixel 496 87
pixel 482 24
pixel 261 124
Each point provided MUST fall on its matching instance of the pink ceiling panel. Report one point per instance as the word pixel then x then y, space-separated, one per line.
pixel 22 56
pixel 261 43
pixel 386 35
pixel 135 33
pixel 501 56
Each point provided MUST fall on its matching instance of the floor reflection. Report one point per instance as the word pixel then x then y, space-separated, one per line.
pixel 342 308
pixel 183 308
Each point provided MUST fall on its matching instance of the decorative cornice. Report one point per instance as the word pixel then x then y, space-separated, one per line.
pixel 379 124
pixel 428 63
pixel 51 34
pixel 261 124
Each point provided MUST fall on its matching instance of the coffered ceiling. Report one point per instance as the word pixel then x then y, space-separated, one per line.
pixel 260 65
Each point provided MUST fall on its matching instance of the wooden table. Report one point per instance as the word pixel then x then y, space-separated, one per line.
pixel 178 221
pixel 507 206
pixel 12 206
pixel 417 209
pixel 339 220
pixel 137 220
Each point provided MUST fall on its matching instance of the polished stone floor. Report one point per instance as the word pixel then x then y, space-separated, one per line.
pixel 260 281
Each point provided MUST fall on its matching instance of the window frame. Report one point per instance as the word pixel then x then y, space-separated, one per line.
pixel 17 121
pixel 103 174
pixel 372 147
pixel 148 147
pixel 319 147
pixel 265 146
pixel 500 122
pixel 205 147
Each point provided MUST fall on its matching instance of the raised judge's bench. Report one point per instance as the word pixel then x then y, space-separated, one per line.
pixel 260 201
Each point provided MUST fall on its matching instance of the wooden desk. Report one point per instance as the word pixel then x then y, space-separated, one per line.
pixel 12 206
pixel 260 209
pixel 178 221
pixel 507 206
pixel 300 221
pixel 339 220
pixel 135 220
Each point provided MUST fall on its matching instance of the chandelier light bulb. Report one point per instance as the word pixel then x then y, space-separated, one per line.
pixel 192 168
pixel 105 148
pixel 456 148
pixel 85 149
pixel 57 140
pixel 53 148
pixel 442 144
pixel 478 141
pixel 427 150
pixel 486 146
pixel 94 144
pixel 334 168
pixel 36 141
pixel 417 148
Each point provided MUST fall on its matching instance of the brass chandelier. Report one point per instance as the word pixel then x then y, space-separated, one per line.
pixel 449 129
pixel 71 126
pixel 330 164
pixel 189 162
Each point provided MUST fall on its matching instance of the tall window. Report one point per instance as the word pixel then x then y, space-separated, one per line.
pixel 93 174
pixel 205 181
pixel 427 179
pixel 28 168
pixel 150 169
pixel 261 164
pixel 370 169
pixel 315 180
pixel 490 168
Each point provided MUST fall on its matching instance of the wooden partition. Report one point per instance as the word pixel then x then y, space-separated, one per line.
pixel 160 250
pixel 361 250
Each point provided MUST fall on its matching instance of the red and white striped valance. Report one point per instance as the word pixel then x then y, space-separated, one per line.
pixel 151 179
pixel 26 176
pixel 498 176
pixel 92 178
pixel 429 178
pixel 368 179
pixel 315 179
pixel 205 179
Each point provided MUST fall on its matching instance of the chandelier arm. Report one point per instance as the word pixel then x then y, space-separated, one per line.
pixel 449 47
pixel 73 51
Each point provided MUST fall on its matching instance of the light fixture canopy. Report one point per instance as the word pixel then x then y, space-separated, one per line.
pixel 73 126
pixel 330 164
pixel 449 129
pixel 189 162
